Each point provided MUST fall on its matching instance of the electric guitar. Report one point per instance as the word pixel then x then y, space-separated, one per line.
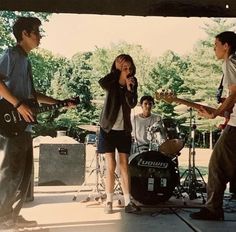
pixel 170 97
pixel 11 121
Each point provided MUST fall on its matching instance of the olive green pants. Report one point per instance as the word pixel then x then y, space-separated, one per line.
pixel 222 168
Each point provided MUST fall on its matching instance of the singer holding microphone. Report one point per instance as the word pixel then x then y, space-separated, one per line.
pixel 115 126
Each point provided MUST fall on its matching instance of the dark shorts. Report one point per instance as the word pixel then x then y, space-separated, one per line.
pixel 108 142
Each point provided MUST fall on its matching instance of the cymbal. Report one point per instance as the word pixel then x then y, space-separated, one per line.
pixel 181 108
pixel 92 128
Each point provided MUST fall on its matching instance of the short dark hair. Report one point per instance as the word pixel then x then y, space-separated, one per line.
pixel 126 58
pixel 228 37
pixel 24 23
pixel 148 98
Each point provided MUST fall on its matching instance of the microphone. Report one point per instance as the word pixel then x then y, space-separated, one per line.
pixel 131 85
pixel 131 88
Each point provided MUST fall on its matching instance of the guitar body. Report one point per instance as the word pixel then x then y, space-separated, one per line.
pixel 11 122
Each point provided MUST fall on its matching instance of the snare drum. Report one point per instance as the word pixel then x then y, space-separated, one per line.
pixel 173 142
pixel 136 148
pixel 153 176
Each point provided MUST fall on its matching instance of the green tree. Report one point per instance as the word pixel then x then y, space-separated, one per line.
pixel 168 74
pixel 7 18
pixel 44 67
pixel 68 82
pixel 103 58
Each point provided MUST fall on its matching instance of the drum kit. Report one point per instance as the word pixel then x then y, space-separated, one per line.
pixel 154 167
pixel 154 171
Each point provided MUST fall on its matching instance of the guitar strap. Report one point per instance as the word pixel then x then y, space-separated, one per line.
pixel 219 90
pixel 29 69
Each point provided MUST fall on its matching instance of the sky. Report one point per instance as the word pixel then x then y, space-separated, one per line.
pixel 66 34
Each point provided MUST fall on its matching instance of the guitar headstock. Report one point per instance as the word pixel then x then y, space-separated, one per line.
pixel 166 95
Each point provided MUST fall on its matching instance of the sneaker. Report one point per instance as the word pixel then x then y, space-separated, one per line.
pixel 22 222
pixel 206 214
pixel 132 208
pixel 6 223
pixel 108 208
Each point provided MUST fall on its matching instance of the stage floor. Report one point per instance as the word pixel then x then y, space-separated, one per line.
pixel 55 211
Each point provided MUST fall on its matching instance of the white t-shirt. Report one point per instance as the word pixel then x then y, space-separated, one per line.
pixel 119 123
pixel 229 71
pixel 140 127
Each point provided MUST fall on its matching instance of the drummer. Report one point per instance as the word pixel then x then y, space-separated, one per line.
pixel 143 125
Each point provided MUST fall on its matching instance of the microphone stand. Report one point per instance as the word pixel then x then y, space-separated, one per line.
pixel 191 184
pixel 99 187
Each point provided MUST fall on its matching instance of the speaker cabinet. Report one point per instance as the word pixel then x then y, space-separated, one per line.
pixel 61 164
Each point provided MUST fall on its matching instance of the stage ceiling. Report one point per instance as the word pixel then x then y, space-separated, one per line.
pixel 177 8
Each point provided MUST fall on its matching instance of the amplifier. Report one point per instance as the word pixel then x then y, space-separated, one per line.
pixel 61 164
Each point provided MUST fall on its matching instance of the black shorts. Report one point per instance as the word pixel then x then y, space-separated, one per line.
pixel 108 142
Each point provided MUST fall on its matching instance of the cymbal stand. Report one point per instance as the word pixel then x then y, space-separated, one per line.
pixel 191 184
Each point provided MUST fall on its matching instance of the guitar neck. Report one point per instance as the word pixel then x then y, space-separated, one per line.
pixel 46 108
pixel 194 105
pixel 188 103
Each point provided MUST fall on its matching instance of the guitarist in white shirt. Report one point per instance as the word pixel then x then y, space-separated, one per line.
pixel 222 165
pixel 16 153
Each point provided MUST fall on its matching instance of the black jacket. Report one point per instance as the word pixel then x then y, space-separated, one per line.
pixel 116 96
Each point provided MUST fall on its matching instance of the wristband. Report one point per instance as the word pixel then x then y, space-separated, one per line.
pixel 18 104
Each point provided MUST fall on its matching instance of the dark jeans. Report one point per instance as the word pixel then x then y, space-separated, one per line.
pixel 16 162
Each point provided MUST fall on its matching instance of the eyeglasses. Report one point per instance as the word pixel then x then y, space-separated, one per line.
pixel 37 33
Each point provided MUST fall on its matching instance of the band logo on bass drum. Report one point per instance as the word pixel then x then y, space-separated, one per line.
pixel 152 164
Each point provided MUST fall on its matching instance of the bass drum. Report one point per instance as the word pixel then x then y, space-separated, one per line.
pixel 154 177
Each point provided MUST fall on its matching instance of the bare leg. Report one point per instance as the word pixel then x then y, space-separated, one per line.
pixel 124 171
pixel 110 171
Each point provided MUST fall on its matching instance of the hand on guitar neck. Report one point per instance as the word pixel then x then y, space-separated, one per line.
pixel 28 111
pixel 205 111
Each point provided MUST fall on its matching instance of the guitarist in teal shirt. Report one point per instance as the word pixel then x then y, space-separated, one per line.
pixel 16 152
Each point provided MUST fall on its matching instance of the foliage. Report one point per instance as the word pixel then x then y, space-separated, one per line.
pixel 7 18
pixel 69 82
pixel 4 36
pixel 44 67
pixel 167 74
pixel 102 59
